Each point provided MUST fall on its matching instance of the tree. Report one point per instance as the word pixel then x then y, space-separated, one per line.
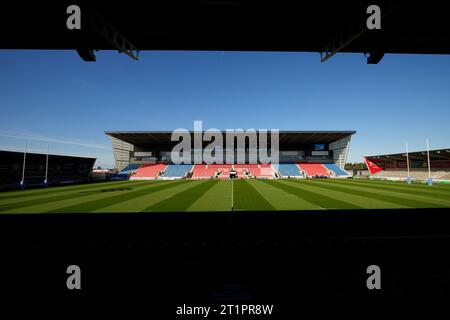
pixel 355 166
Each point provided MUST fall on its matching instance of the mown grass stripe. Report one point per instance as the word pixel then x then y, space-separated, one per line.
pixel 376 194
pixel 53 190
pixel 183 200
pixel 440 194
pixel 280 199
pixel 218 198
pixel 144 201
pixel 354 198
pixel 414 185
pixel 65 195
pixel 50 199
pixel 246 197
pixel 419 195
pixel 320 200
pixel 116 198
pixel 135 196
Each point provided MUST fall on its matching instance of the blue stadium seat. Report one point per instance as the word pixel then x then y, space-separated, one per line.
pixel 333 167
pixel 176 170
pixel 129 169
pixel 289 170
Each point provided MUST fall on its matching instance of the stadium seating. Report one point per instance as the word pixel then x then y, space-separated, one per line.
pixel 176 170
pixel 129 169
pixel 266 170
pixel 224 170
pixel 242 166
pixel 205 171
pixel 241 170
pixel 312 169
pixel 255 170
pixel 334 168
pixel 148 171
pixel 289 170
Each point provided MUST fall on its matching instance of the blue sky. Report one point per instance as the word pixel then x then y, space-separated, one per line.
pixel 53 97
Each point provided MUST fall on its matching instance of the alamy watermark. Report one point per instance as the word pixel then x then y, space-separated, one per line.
pixel 229 146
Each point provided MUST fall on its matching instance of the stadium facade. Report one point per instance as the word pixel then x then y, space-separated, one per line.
pixel 395 166
pixel 147 155
pixel 58 169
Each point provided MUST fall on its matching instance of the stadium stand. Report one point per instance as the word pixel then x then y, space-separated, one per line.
pixel 314 169
pixel 265 170
pixel 221 167
pixel 61 169
pixel 129 169
pixel 336 170
pixel 242 170
pixel 295 146
pixel 224 170
pixel 289 170
pixel 276 169
pixel 203 171
pixel 176 170
pixel 206 171
pixel 415 175
pixel 242 166
pixel 149 171
pixel 254 170
pixel 395 166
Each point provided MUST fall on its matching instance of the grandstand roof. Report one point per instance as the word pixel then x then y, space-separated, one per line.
pixel 286 137
pixel 438 154
pixel 5 153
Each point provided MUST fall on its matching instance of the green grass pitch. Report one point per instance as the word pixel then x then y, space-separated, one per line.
pixel 215 195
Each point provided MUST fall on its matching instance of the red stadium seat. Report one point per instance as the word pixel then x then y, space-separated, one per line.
pixel 265 170
pixel 312 169
pixel 148 171
pixel 255 170
pixel 204 171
